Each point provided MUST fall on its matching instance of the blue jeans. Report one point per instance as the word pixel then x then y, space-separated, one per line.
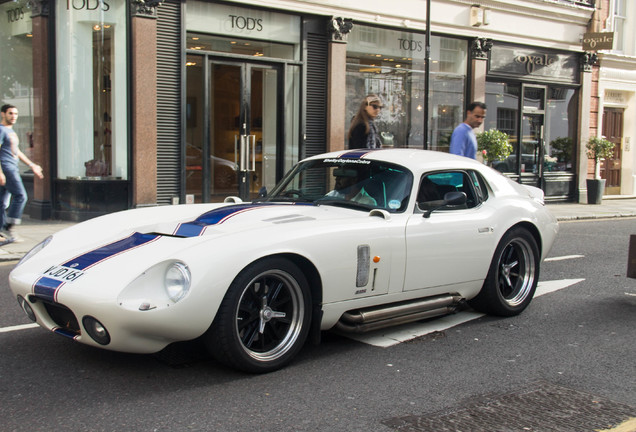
pixel 15 187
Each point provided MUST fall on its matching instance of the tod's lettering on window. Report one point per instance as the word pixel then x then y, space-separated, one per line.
pixel 246 23
pixel 15 15
pixel 410 45
pixel 87 5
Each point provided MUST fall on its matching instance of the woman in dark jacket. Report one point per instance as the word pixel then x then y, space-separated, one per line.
pixel 363 132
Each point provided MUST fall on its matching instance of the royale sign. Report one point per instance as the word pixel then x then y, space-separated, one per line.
pixel 598 41
pixel 536 63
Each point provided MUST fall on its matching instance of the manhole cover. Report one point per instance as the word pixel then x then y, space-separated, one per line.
pixel 542 407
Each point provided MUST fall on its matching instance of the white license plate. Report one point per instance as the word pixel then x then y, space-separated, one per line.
pixel 63 273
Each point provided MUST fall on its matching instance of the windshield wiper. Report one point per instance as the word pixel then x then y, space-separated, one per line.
pixel 343 203
pixel 282 199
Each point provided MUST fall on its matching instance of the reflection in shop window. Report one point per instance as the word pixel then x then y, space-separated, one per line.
pixel 16 68
pixel 92 101
pixel 391 64
pixel 560 136
pixel 502 100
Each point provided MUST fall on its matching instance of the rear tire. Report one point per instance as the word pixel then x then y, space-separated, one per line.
pixel 264 318
pixel 512 277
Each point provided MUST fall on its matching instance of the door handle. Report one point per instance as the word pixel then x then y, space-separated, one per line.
pixel 245 152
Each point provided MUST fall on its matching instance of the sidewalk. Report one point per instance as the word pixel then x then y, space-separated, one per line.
pixel 34 231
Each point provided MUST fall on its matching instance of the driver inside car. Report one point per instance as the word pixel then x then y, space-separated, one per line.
pixel 349 187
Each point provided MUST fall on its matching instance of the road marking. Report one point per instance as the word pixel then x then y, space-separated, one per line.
pixel 626 426
pixel 399 334
pixel 394 335
pixel 565 257
pixel 18 327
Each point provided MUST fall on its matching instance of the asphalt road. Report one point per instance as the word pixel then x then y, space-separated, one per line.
pixel 579 340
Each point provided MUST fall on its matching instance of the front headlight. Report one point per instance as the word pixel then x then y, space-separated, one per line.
pixel 177 281
pixel 37 248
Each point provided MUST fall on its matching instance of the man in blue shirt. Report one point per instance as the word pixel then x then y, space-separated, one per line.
pixel 10 180
pixel 463 141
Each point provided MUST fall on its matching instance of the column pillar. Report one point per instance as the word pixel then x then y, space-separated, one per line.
pixel 337 125
pixel 585 109
pixel 40 206
pixel 479 49
pixel 144 101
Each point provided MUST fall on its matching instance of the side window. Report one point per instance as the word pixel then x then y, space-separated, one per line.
pixel 481 189
pixel 434 186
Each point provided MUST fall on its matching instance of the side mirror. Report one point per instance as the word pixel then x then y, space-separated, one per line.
pixel 450 199
pixel 262 192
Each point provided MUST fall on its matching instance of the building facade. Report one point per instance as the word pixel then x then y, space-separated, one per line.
pixel 614 94
pixel 129 103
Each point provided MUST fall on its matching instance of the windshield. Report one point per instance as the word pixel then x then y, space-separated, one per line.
pixel 355 183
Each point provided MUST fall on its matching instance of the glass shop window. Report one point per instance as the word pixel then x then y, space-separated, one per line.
pixel 16 68
pixel 562 128
pixel 392 64
pixel 92 101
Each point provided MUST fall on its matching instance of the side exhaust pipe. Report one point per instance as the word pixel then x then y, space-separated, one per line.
pixel 365 320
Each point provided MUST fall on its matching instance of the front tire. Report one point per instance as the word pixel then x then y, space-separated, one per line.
pixel 264 318
pixel 512 277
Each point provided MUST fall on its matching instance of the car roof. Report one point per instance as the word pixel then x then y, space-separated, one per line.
pixel 414 159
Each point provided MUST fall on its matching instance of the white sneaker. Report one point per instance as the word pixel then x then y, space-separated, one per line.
pixel 11 234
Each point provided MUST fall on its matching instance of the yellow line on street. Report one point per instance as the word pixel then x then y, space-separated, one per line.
pixel 626 426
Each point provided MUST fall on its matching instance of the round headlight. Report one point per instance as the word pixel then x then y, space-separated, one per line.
pixel 177 281
pixel 96 330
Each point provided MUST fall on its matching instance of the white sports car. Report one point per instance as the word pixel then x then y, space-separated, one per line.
pixel 351 240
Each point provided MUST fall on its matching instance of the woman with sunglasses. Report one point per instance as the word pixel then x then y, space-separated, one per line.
pixel 363 133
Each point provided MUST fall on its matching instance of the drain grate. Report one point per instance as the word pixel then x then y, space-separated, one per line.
pixel 542 407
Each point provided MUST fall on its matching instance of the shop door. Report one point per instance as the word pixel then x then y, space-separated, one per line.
pixel 611 168
pixel 532 132
pixel 238 131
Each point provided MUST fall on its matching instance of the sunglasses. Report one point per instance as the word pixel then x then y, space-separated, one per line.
pixel 374 106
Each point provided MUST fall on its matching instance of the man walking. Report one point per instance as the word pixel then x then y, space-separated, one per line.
pixel 463 140
pixel 10 180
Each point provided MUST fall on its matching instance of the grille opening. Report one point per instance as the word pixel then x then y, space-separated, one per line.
pixel 62 316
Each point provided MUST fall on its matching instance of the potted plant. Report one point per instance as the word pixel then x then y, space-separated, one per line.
pixel 494 145
pixel 598 148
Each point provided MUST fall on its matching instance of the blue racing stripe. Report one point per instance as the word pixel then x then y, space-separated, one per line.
pixel 104 252
pixel 213 217
pixel 64 332
pixel 46 287
pixel 356 154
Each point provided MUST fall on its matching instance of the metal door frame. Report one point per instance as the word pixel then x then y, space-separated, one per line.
pixel 245 68
pixel 536 178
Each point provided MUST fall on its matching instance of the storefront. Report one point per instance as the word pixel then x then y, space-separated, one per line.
pixel 141 103
pixel 532 94
pixel 391 63
pixel 243 80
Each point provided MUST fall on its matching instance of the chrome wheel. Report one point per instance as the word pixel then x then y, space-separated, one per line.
pixel 264 318
pixel 516 272
pixel 512 277
pixel 269 316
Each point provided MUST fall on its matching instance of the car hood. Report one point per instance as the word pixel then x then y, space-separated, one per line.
pixel 122 245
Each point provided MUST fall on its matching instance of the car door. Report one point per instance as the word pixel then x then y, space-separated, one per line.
pixel 453 244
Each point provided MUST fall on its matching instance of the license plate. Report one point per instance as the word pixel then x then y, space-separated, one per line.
pixel 63 273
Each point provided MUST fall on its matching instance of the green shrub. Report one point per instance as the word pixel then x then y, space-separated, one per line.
pixel 599 148
pixel 495 143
